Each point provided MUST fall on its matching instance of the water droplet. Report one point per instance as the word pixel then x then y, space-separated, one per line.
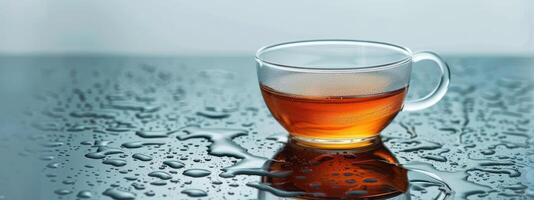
pixel 138 186
pixel 102 152
pixel 150 193
pixel 102 143
pixel 115 162
pixel 53 144
pixel 62 191
pixel 196 172
pixel 158 183
pixel 194 193
pixel 116 97
pixel 160 174
pixel 53 165
pixel 95 115
pixel 233 185
pixel 117 194
pixel 154 134
pixel 85 194
pixel 174 164
pixel 435 158
pixel 95 155
pixel 78 128
pixel 46 157
pixel 142 157
pixel 118 129
pixel 139 144
pixel 213 114
pixel 144 116
pixel 487 152
pixel 422 145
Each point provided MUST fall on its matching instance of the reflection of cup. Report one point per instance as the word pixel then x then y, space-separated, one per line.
pixel 340 93
pixel 370 172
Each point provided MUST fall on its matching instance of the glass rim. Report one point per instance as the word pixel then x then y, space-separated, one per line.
pixel 377 67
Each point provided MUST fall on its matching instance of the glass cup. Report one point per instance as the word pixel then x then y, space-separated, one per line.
pixel 340 93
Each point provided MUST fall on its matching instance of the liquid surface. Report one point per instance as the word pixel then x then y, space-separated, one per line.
pixel 334 117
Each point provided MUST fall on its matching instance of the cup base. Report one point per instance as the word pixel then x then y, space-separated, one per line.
pixel 349 143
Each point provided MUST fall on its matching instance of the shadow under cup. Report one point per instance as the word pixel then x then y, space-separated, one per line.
pixel 339 93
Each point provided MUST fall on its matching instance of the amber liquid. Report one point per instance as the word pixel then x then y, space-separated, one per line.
pixel 371 173
pixel 334 117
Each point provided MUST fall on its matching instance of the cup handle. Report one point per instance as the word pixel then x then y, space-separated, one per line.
pixel 438 92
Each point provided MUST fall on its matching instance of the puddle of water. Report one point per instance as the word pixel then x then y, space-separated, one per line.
pixel 223 145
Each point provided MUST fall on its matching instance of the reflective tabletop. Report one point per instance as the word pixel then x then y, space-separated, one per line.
pixel 197 128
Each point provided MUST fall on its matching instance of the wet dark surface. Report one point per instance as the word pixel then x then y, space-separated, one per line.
pixel 196 127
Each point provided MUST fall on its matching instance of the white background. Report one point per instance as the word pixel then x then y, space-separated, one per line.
pixel 164 27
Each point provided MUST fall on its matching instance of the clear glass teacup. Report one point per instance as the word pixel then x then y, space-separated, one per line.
pixel 340 93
